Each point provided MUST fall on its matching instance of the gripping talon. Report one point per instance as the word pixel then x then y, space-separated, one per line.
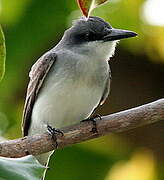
pixel 53 132
pixel 92 118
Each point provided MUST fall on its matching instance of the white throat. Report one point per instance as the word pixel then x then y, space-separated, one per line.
pixel 99 49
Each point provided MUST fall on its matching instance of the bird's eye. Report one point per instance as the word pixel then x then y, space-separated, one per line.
pixel 90 36
pixel 86 36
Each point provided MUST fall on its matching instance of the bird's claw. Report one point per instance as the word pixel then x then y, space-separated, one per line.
pixel 93 119
pixel 53 132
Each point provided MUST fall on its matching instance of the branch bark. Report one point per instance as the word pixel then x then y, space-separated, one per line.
pixel 114 123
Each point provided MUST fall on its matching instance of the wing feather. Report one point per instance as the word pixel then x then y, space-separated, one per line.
pixel 37 76
pixel 107 89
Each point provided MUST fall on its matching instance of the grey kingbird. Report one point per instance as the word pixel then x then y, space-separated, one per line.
pixel 71 80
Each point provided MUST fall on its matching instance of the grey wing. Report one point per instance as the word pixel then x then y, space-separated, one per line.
pixel 37 75
pixel 107 89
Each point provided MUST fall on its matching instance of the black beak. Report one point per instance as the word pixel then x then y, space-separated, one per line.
pixel 117 34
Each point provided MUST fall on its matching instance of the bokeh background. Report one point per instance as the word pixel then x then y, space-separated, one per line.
pixel 32 27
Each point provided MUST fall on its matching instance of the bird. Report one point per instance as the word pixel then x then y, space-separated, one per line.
pixel 71 80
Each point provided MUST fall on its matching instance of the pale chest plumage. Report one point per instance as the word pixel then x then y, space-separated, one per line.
pixel 70 92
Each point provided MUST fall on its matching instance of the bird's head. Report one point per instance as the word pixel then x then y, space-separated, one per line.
pixel 94 34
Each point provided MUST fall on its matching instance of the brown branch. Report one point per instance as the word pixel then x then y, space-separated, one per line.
pixel 118 122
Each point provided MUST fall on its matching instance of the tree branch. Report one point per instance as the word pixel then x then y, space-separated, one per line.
pixel 118 122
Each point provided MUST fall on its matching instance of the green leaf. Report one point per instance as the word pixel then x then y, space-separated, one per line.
pixel 87 6
pixel 2 54
pixel 24 168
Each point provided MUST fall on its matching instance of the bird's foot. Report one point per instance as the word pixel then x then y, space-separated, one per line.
pixel 93 120
pixel 53 132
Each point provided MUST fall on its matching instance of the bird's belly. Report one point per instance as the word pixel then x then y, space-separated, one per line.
pixel 64 104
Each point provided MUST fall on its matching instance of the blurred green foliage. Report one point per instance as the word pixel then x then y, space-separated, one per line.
pixel 24 168
pixel 75 167
pixel 33 27
pixel 2 54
